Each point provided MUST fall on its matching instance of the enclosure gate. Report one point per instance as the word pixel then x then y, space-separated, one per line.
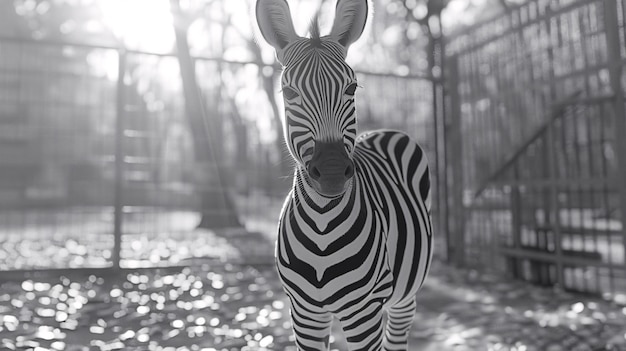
pixel 536 144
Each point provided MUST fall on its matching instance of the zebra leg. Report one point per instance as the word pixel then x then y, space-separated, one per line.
pixel 312 329
pixel 363 328
pixel 399 321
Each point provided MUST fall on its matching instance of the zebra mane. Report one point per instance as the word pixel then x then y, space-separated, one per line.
pixel 314 30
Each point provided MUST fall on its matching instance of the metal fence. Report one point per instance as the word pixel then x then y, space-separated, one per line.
pixel 536 144
pixel 97 159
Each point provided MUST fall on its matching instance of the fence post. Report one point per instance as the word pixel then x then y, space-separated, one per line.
pixel 615 74
pixel 438 208
pixel 553 218
pixel 453 141
pixel 440 165
pixel 119 160
pixel 516 222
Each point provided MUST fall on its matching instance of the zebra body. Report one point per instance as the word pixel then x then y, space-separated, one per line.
pixel 354 238
pixel 366 251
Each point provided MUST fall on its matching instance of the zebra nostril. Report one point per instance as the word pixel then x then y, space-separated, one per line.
pixel 314 172
pixel 349 171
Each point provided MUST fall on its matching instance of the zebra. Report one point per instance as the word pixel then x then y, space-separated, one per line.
pixel 355 234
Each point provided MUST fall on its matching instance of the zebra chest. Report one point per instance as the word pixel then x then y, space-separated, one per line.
pixel 325 255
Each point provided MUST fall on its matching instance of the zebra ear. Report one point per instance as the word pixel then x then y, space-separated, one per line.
pixel 275 23
pixel 350 18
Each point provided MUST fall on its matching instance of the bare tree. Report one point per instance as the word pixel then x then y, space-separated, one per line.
pixel 218 207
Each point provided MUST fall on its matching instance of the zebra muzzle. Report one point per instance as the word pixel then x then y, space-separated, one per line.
pixel 330 169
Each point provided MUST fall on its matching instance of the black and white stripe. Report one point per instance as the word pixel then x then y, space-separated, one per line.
pixel 365 252
pixel 317 105
pixel 360 254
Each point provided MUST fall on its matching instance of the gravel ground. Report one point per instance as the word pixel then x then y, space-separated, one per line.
pixel 227 297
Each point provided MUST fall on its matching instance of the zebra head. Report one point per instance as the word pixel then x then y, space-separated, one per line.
pixel 318 88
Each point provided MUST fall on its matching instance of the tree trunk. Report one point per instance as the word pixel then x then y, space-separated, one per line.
pixel 218 209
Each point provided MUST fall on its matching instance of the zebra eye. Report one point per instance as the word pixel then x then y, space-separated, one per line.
pixel 308 152
pixel 351 89
pixel 290 93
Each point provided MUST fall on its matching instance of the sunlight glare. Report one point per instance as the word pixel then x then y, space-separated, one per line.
pixel 140 24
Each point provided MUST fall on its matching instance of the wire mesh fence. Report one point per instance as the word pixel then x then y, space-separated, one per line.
pixel 557 221
pixel 541 112
pixel 57 135
pixel 100 165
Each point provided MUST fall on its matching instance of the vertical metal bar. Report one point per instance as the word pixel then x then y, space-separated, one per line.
pixel 440 166
pixel 571 159
pixel 439 184
pixel 591 165
pixel 605 191
pixel 516 220
pixel 456 151
pixel 119 161
pixel 615 75
pixel 553 191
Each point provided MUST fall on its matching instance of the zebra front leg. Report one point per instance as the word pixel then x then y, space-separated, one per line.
pixel 311 328
pixel 363 328
pixel 399 321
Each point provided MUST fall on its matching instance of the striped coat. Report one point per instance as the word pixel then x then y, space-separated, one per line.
pixel 355 236
pixel 370 248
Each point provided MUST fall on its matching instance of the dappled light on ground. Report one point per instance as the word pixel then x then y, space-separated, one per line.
pixel 209 307
pixel 465 310
pixel 237 303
